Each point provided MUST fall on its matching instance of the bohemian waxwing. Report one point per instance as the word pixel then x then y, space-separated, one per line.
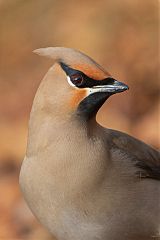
pixel 81 180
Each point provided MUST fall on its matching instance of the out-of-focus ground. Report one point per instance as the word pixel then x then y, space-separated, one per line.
pixel 120 35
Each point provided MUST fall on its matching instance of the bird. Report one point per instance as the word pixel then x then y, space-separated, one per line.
pixel 81 180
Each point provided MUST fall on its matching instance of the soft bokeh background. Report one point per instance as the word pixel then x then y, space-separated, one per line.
pixel 121 35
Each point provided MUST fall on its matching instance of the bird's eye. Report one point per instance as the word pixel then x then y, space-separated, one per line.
pixel 76 79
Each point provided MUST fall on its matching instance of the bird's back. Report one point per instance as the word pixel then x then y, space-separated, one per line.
pixel 135 174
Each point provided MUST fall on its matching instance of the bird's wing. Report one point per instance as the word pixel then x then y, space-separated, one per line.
pixel 146 158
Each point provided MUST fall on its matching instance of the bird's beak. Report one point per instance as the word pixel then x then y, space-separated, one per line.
pixel 109 85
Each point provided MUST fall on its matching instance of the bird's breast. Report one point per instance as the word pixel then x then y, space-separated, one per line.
pixel 61 183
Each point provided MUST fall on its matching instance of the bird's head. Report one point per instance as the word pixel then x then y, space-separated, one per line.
pixel 75 84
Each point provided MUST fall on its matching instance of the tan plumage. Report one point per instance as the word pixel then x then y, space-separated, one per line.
pixel 82 181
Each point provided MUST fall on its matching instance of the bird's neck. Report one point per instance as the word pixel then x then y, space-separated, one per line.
pixel 45 129
pixel 88 126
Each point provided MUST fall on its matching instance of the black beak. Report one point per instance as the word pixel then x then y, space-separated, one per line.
pixel 109 85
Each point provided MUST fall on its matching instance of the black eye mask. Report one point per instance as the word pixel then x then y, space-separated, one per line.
pixel 80 80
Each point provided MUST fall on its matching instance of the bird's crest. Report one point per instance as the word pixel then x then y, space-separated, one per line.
pixel 74 59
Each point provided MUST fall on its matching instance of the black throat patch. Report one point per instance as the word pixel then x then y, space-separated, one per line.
pixel 89 106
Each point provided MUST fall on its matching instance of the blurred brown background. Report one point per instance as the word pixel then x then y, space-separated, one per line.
pixel 121 35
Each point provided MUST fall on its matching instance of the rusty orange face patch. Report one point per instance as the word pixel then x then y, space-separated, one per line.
pixel 77 96
pixel 91 71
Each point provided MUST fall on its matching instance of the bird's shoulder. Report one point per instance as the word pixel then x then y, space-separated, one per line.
pixel 144 157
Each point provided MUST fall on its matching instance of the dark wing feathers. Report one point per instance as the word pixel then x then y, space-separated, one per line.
pixel 145 157
pixel 150 164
